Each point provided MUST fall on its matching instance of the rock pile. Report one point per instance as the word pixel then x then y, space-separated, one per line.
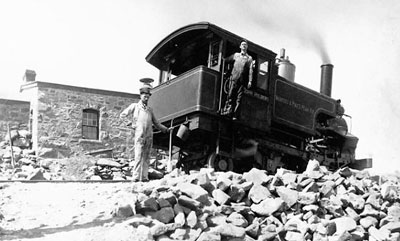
pixel 19 138
pixel 16 162
pixel 109 169
pixel 17 159
pixel 314 205
pixel 27 166
pixel 20 162
pixel 118 169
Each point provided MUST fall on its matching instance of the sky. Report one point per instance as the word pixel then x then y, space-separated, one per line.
pixel 102 44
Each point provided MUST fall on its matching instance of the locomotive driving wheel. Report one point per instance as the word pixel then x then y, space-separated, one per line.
pixel 220 163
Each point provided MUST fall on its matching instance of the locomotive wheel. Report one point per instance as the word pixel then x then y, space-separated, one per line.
pixel 220 163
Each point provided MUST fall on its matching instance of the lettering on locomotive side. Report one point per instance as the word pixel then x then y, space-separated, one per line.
pixel 294 104
pixel 281 99
pixel 256 95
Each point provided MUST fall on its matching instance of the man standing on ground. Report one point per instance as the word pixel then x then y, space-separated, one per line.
pixel 142 120
pixel 241 76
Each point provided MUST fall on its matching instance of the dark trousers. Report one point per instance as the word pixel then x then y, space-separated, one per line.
pixel 235 93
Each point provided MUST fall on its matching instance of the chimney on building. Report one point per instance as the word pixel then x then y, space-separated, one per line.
pixel 30 75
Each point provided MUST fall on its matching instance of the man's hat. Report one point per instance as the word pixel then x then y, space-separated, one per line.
pixel 146 87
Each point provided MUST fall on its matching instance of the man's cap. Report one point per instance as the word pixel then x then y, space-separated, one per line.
pixel 146 86
pixel 145 89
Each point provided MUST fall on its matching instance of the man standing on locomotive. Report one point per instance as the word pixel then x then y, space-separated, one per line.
pixel 142 120
pixel 242 74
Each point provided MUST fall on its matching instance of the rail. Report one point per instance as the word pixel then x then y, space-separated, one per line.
pixel 65 181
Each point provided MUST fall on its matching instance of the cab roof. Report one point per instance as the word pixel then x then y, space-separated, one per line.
pixel 180 37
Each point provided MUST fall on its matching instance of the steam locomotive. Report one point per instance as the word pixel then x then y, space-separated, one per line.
pixel 281 123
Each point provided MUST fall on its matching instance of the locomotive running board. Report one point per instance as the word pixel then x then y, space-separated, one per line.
pixel 361 164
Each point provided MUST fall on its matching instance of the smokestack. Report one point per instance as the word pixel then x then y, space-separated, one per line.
pixel 326 79
pixel 30 75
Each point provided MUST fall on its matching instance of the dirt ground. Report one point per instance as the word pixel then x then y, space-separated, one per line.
pixel 66 211
pixel 62 211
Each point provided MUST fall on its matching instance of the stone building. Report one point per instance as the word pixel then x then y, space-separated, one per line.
pixel 14 114
pixel 68 120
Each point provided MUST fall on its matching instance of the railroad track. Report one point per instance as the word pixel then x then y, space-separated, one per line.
pixel 65 181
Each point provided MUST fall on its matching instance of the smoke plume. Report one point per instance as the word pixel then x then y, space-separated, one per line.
pixel 291 24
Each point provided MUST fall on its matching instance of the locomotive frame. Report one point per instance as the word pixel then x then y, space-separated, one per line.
pixel 281 123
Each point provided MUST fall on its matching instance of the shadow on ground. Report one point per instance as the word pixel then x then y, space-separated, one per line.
pixel 41 232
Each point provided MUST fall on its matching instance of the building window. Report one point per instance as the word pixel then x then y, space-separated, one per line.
pixel 90 124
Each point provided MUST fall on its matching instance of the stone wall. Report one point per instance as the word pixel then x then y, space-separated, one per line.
pixel 59 111
pixel 14 113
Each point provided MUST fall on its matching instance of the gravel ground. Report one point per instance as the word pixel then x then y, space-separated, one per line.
pixel 62 211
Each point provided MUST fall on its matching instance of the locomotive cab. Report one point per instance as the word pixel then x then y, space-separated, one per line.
pixel 193 84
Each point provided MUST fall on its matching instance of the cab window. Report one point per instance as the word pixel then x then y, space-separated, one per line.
pixel 214 59
pixel 189 56
pixel 262 74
